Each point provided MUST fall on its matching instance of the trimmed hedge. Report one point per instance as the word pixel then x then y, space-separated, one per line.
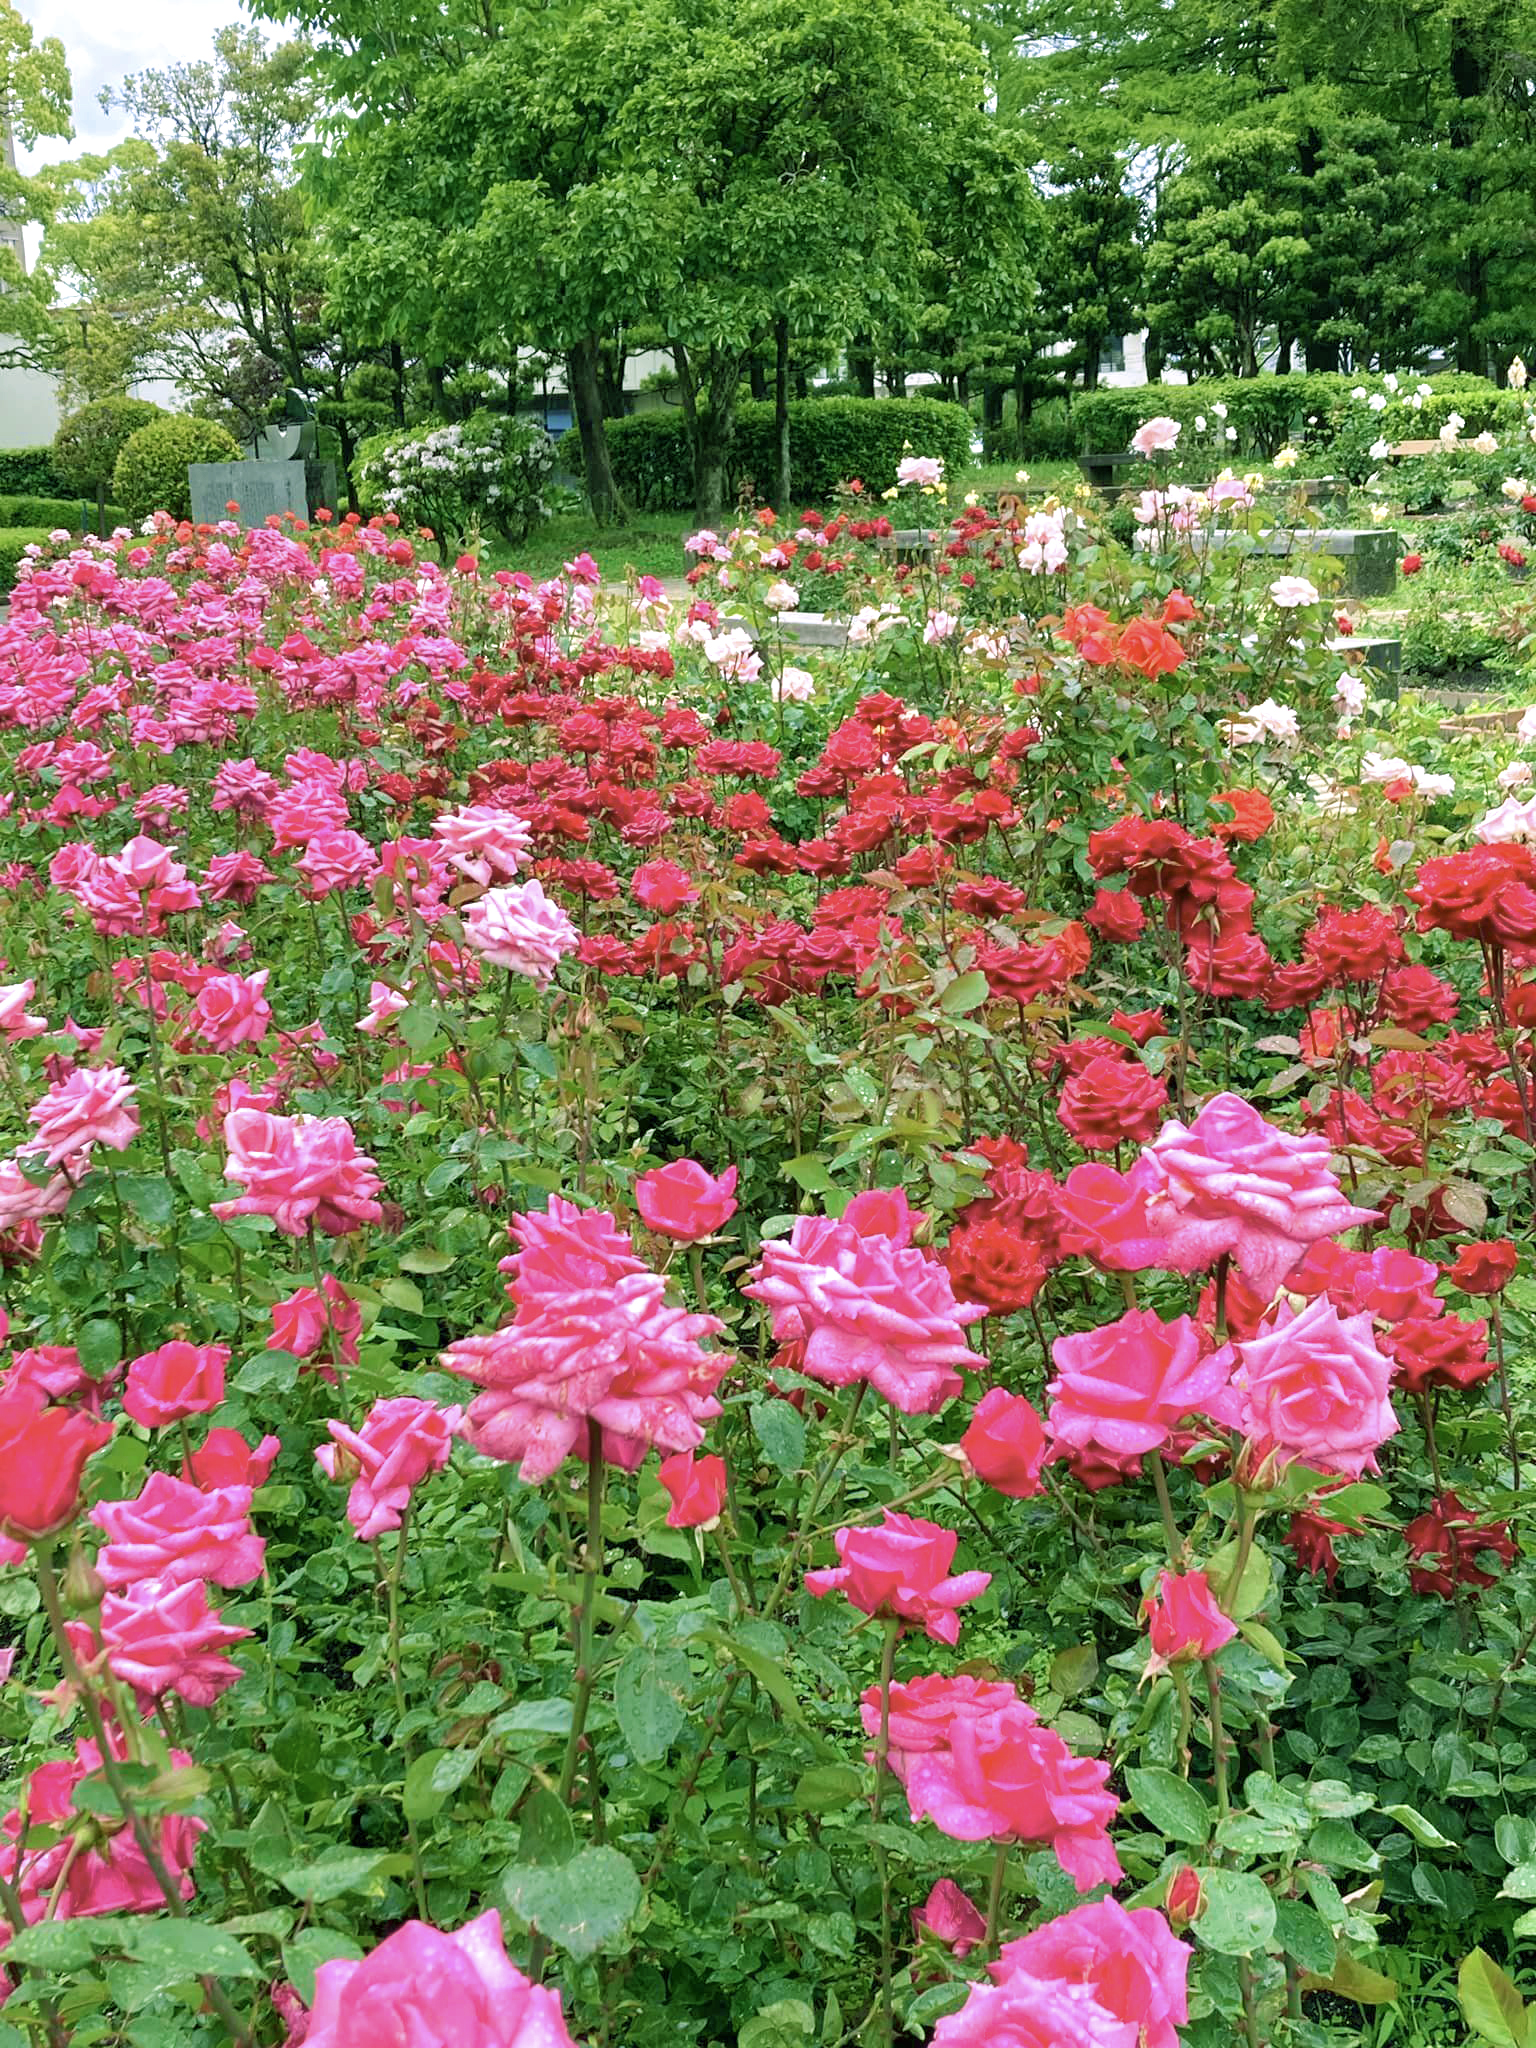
pixel 29 472
pixel 12 541
pixel 151 472
pixel 88 443
pixel 831 441
pixel 1313 411
pixel 51 512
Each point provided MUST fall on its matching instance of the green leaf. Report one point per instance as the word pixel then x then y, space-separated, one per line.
pixel 547 1837
pixel 582 1904
pixel 149 1195
pixel 1423 1831
pixel 787 2023
pixel 425 1258
pixel 100 1346
pixel 1304 1936
pixel 341 1870
pixel 1253 1588
pixel 781 1432
pixel 649 1690
pixel 1074 1670
pixel 965 993
pixel 757 1665
pixel 433 1778
pixel 304 1954
pixel 174 1950
pixel 57 1945
pixel 1490 2003
pixel 1171 1804
pixel 1239 1914
pixel 1338 1846
pixel 826 1786
pixel 1520 1883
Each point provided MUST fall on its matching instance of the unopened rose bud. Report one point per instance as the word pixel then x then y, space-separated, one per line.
pixel 1186 1898
pixel 83 1585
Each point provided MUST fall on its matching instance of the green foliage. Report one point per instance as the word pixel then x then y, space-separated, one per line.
pixel 51 512
pixel 12 541
pixel 832 440
pixel 88 442
pixel 487 470
pixel 150 474
pixel 30 472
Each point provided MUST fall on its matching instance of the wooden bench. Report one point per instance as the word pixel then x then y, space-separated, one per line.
pixel 1402 448
pixel 1100 469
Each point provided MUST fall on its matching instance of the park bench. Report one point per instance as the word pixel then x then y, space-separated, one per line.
pixel 1100 468
pixel 1369 554
pixel 1404 448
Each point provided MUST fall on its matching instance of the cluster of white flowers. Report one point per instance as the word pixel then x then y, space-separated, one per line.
pixel 447 477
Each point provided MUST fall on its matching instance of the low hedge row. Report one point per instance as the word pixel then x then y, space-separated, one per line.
pixel 12 540
pixel 54 512
pixel 832 441
pixel 1317 412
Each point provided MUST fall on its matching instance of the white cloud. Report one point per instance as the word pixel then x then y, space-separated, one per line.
pixel 106 39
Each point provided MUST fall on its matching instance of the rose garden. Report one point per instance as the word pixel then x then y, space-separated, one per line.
pixel 767 1175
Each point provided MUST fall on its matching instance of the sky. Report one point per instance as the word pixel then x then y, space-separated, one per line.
pixel 104 40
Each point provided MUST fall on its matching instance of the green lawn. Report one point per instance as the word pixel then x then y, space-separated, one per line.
pixel 651 543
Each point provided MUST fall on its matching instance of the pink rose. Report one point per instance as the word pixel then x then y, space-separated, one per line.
pixel 1104 1213
pixel 1156 436
pixel 232 1010
pixel 484 844
pixel 866 1308
pixel 993 1772
pixel 425 1989
pixel 520 929
pixel 225 1459
pixel 564 1250
pixel 162 1638
pixel 1131 1961
pixel 1183 1620
pixel 15 1024
pixel 300 1171
pixel 336 860
pixel 398 1445
pixel 1314 1389
pixel 950 1917
pixel 175 1532
pixel 110 1877
pixel 309 1321
pixel 1119 1391
pixel 1004 1444
pixel 1033 2012
pixel 901 1570
pixel 1231 1184
pixel 697 1487
pixel 176 1381
pixel 93 1106
pixel 684 1201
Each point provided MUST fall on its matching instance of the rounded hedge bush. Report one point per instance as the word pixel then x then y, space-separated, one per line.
pixel 151 470
pixel 88 443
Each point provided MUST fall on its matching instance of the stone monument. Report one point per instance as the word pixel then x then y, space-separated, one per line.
pixel 283 473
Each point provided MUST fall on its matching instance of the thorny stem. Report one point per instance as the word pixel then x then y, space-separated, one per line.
pixel 877 1801
pixel 397 1681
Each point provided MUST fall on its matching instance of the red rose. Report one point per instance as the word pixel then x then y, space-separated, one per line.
pixel 1005 1444
pixel 1112 1102
pixel 1117 916
pixel 1484 1268
pixel 1411 564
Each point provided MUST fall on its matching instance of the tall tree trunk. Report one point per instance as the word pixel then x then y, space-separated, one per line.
pixel 861 364
pixel 1469 82
pixel 587 403
pixel 896 379
pixel 397 382
pixel 1283 356
pixel 611 355
pixel 709 411
pixel 1093 353
pixel 802 382
pixel 782 497
pixel 991 418
pixel 757 376
pixel 1023 404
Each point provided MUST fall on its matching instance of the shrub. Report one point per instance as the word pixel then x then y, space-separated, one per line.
pixel 12 540
pixel 50 512
pixel 1320 411
pixel 832 440
pixel 488 468
pixel 25 470
pixel 88 443
pixel 151 470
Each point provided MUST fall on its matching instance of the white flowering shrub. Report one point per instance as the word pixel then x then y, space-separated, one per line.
pixel 488 470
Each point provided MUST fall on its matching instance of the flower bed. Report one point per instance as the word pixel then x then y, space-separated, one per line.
pixel 708 1343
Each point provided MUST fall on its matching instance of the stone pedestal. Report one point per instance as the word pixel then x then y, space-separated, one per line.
pixel 257 489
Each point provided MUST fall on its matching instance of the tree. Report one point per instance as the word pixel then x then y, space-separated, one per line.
pixel 738 174
pixel 1092 281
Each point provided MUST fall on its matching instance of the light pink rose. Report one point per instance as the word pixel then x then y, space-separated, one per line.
pixel 174 1532
pixel 1156 436
pixel 520 929
pixel 901 1570
pixel 1132 1962
pixel 162 1638
pixel 1314 1388
pixel 92 1106
pixel 1230 1183
pixel 398 1445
